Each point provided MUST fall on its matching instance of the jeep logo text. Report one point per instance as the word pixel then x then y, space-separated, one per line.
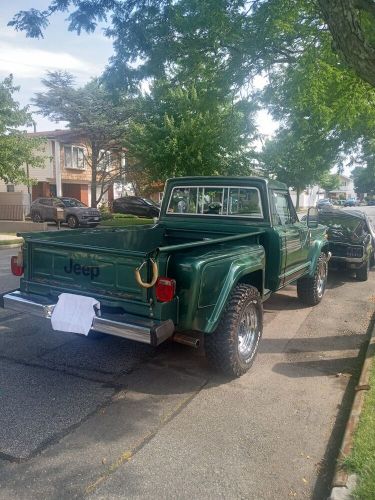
pixel 92 271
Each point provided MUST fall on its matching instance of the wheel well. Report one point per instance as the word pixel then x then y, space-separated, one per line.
pixel 254 279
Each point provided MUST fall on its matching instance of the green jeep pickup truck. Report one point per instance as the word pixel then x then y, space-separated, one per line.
pixel 222 245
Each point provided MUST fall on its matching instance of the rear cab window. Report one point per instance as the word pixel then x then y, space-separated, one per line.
pixel 224 201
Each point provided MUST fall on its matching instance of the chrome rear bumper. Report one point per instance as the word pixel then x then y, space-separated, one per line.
pixel 127 326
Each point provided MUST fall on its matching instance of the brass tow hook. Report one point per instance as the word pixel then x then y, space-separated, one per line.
pixel 155 274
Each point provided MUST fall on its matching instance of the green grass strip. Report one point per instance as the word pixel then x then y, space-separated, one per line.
pixel 11 242
pixel 123 222
pixel 362 459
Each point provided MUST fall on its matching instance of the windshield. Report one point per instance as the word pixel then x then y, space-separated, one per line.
pixel 72 202
pixel 224 201
pixel 150 202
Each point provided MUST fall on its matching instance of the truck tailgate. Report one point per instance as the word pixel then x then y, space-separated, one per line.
pixel 93 271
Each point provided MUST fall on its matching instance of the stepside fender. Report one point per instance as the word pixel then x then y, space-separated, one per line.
pixel 240 267
pixel 316 249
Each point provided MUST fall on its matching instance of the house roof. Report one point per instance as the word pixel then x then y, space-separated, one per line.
pixel 66 135
pixel 56 134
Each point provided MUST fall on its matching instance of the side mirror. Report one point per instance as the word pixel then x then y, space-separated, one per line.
pixel 312 218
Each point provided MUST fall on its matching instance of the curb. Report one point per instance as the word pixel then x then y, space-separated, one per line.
pixel 343 483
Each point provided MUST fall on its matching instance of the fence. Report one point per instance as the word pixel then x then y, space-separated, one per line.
pixel 14 212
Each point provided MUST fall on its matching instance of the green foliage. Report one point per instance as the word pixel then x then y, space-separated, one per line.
pixel 126 221
pixel 329 182
pixel 298 156
pixel 16 149
pixel 179 131
pixel 216 47
pixel 362 458
pixel 364 179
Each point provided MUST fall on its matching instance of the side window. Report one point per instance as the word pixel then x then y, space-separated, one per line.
pixel 282 210
pixel 46 201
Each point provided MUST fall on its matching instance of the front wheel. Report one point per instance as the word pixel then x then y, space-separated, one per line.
pixel 232 348
pixel 363 272
pixel 72 222
pixel 36 217
pixel 310 289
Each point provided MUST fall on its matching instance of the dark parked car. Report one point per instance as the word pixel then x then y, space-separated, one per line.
pixel 134 205
pixel 323 203
pixel 351 202
pixel 371 203
pixel 351 240
pixel 76 213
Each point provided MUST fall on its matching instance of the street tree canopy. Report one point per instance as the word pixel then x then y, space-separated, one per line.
pixel 179 131
pixel 95 113
pixel 235 35
pixel 16 149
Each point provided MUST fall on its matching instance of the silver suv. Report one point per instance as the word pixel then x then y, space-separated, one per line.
pixel 76 213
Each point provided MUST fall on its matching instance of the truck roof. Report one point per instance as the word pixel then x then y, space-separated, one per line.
pixel 220 179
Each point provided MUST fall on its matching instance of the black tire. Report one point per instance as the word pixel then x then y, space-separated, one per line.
pixel 310 290
pixel 72 221
pixel 36 217
pixel 363 272
pixel 226 349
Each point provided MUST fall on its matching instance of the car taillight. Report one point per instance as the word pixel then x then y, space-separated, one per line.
pixel 16 265
pixel 165 289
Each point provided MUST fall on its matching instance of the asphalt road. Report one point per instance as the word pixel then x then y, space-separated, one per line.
pixel 106 418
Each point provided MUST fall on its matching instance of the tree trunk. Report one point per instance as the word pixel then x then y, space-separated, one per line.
pixel 343 20
pixel 94 165
pixel 298 193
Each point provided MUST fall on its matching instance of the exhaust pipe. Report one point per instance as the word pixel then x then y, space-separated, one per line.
pixel 186 340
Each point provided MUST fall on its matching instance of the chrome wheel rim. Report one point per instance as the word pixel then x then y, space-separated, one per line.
pixel 248 331
pixel 322 278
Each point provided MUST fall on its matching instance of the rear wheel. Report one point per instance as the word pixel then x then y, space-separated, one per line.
pixel 72 221
pixel 310 289
pixel 36 217
pixel 232 348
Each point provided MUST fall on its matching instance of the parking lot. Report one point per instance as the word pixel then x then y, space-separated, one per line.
pixel 102 417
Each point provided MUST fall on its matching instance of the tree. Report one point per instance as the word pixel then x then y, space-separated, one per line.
pixel 364 176
pixel 329 182
pixel 97 115
pixel 16 149
pixel 234 34
pixel 178 131
pixel 298 157
pixel 352 25
pixel 364 180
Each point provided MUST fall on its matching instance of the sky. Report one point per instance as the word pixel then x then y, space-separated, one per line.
pixel 84 56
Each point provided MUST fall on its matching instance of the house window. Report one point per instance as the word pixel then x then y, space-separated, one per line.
pixel 10 188
pixel 105 160
pixel 74 157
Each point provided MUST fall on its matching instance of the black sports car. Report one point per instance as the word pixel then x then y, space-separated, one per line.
pixel 351 240
pixel 134 205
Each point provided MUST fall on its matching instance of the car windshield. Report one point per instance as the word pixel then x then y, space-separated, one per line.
pixel 149 202
pixel 72 202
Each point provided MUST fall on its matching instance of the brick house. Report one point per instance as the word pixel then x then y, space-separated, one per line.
pixel 66 171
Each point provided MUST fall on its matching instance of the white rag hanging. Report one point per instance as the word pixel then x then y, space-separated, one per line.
pixel 74 313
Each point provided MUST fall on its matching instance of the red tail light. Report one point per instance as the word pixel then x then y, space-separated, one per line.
pixel 16 265
pixel 165 289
